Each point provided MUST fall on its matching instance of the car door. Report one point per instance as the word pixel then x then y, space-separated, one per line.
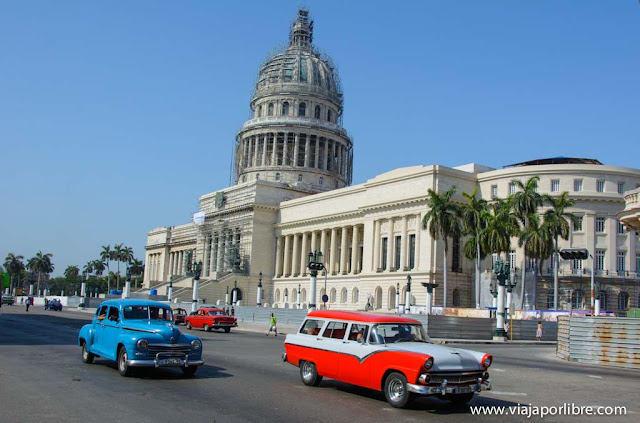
pixel 331 340
pixel 98 329
pixel 111 330
pixel 353 366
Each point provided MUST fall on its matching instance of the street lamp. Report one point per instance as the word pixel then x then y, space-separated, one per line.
pixel 509 285
pixel 195 270
pixel 259 301
pixel 430 287
pixel 226 297
pixel 235 293
pixel 314 263
pixel 170 293
pixel 502 274
pixel 398 297
pixel 298 296
pixel 407 301
pixel 494 294
pixel 127 284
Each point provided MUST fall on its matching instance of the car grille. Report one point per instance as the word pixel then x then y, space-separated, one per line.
pixel 169 348
pixel 455 378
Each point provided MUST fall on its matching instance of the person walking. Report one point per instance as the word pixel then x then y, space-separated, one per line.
pixel 539 331
pixel 272 325
pixel 28 303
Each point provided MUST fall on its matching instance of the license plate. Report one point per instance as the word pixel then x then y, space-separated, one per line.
pixel 170 362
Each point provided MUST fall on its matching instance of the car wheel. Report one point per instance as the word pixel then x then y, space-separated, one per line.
pixel 189 371
pixel 395 390
pixel 123 367
pixel 188 324
pixel 459 398
pixel 309 374
pixel 227 330
pixel 87 357
pixel 207 328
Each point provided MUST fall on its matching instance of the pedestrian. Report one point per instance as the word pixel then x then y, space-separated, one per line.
pixel 506 328
pixel 539 330
pixel 272 325
pixel 21 300
pixel 233 311
pixel 28 303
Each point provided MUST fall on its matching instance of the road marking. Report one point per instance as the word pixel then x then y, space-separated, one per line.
pixel 498 370
pixel 513 394
pixel 595 377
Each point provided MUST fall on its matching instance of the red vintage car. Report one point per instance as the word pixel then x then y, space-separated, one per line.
pixel 209 318
pixel 384 352
pixel 178 315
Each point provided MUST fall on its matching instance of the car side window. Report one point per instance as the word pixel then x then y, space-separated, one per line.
pixel 311 327
pixel 358 332
pixel 102 312
pixel 113 314
pixel 335 330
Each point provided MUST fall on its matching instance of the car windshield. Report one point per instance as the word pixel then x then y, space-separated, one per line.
pixel 387 333
pixel 143 312
pixel 216 313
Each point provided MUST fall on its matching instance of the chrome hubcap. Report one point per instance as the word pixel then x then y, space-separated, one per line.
pixel 307 370
pixel 395 390
pixel 123 361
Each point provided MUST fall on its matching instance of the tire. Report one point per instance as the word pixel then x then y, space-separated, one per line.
pixel 123 368
pixel 189 371
pixel 309 374
pixel 188 325
pixel 459 399
pixel 207 328
pixel 87 357
pixel 227 330
pixel 395 390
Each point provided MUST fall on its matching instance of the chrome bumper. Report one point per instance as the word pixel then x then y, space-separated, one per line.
pixel 224 325
pixel 444 388
pixel 161 361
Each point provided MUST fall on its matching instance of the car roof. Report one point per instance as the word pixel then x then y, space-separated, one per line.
pixel 361 316
pixel 210 308
pixel 128 302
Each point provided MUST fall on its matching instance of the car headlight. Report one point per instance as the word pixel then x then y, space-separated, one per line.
pixel 429 363
pixel 142 344
pixel 196 345
pixel 486 361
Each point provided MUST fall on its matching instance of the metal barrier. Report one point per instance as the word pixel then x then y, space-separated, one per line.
pixel 608 341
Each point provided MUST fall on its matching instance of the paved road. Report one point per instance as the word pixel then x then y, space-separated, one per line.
pixel 244 380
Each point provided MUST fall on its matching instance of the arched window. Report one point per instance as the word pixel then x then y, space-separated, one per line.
pixel 354 296
pixel 391 302
pixel 302 109
pixel 285 108
pixel 270 109
pixel 378 298
pixel 623 301
pixel 294 296
pixel 277 295
pixel 317 113
pixel 304 295
pixel 576 299
pixel 286 295
pixel 332 296
pixel 603 300
pixel 343 296
pixel 259 111
pixel 329 115
pixel 300 177
pixel 550 300
pixel 277 176
pixel 456 298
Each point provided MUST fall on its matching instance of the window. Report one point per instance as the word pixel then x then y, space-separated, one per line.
pixel 599 224
pixel 577 185
pixel 620 228
pixel 311 327
pixel 600 186
pixel 285 108
pixel 555 185
pixel 550 302
pixel 288 74
pixel 599 260
pixel 317 113
pixel 412 251
pixel 354 295
pixel 603 300
pixel 384 253
pixel 300 177
pixel 620 187
pixel 329 116
pixel 494 191
pixel 335 330
pixel 332 295
pixel 623 301
pixel 576 264
pixel 512 260
pixel 397 255
pixel 302 109
pixel 577 224
pixel 620 261
pixel 358 329
pixel 343 295
pixel 114 313
pixel 638 266
pixel 455 255
pixel 277 176
pixel 512 188
pixel 303 70
pixel 259 112
pixel 270 109
pixel 494 258
pixel 321 180
pixel 576 299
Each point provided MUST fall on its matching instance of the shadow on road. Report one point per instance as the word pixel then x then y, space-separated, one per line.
pixel 165 373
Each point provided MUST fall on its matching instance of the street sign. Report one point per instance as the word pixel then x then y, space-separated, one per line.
pixel 325 298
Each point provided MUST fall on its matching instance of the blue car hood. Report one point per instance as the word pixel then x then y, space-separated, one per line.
pixel 165 329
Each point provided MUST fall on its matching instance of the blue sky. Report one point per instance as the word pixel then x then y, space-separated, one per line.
pixel 116 116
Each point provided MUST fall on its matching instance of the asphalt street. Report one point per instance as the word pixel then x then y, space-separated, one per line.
pixel 42 378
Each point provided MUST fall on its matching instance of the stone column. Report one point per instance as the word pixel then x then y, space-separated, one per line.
pixel 287 258
pixel 278 270
pixel 303 255
pixel 274 153
pixel 376 245
pixel 334 247
pixel 323 244
pixel 317 152
pixel 180 261
pixel 296 146
pixel 418 229
pixel 171 260
pixel 326 153
pixel 295 259
pixel 354 250
pixel 343 250
pixel 285 147
pixel 220 250
pixel 264 149
pixel 206 263
pixel 212 256
pixel 314 242
pixel 307 148
pixel 403 245
pixel 389 245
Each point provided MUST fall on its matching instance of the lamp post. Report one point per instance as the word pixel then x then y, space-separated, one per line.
pixel 502 274
pixel 226 297
pixel 259 300
pixel 398 298
pixel 298 296
pixel 170 293
pixel 510 284
pixel 314 263
pixel 407 301
pixel 83 289
pixel 195 271
pixel 127 284
pixel 430 287
pixel 494 295
pixel 235 293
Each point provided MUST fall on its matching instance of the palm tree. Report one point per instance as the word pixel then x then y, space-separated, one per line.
pixel 555 220
pixel 118 254
pixel 137 268
pixel 474 219
pixel 443 222
pixel 105 256
pixel 14 265
pixel 538 244
pixel 525 202
pixel 501 225
pixel 98 267
pixel 41 263
pixel 127 255
pixel 71 272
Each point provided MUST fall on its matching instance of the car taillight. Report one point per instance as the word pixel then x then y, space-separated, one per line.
pixel 486 360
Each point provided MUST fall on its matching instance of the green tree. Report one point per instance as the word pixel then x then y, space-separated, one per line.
pixel 555 219
pixel 443 221
pixel 525 203
pixel 538 244
pixel 501 225
pixel 98 267
pixel 106 255
pixel 137 269
pixel 14 265
pixel 118 255
pixel 41 263
pixel 474 214
pixel 71 272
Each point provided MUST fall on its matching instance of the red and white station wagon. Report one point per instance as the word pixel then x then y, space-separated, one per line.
pixel 384 352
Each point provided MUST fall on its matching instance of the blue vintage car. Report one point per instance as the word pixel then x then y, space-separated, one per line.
pixel 139 333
